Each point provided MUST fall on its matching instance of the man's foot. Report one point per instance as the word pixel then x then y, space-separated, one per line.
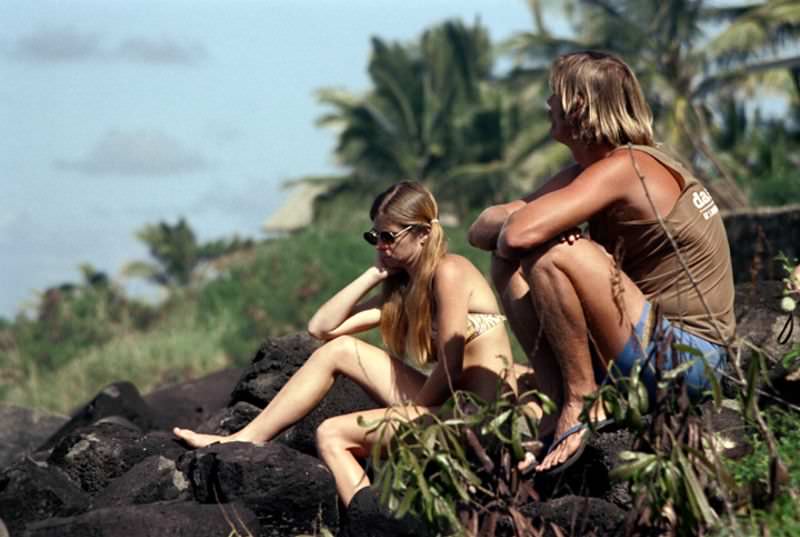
pixel 566 449
pixel 570 437
pixel 199 440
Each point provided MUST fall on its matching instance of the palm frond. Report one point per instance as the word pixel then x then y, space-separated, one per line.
pixel 714 83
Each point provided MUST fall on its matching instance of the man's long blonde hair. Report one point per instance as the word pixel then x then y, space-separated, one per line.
pixel 602 99
pixel 407 311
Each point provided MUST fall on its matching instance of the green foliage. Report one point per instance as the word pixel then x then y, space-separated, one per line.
pixel 71 318
pixel 177 349
pixel 681 484
pixel 435 114
pixel 177 253
pixel 692 59
pixel 670 476
pixel 174 247
pixel 763 153
pixel 457 469
pixel 282 288
pixel 791 289
pixel 782 517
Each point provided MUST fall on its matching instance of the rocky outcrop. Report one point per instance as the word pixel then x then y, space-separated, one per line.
pixel 274 363
pixel 118 400
pixel 771 333
pixel 366 517
pixel 177 519
pixel 188 404
pixel 760 320
pixel 290 492
pixel 115 463
pixel 114 468
pixel 757 236
pixel 95 455
pixel 32 490
pixel 152 480
pixel 23 430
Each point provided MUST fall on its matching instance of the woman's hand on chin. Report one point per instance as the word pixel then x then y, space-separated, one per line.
pixel 382 271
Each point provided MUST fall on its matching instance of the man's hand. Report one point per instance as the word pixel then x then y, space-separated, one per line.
pixel 571 236
pixel 484 232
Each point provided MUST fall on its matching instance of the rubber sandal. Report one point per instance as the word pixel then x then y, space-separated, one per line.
pixel 585 431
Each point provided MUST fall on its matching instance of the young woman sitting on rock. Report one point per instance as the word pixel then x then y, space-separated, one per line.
pixel 435 307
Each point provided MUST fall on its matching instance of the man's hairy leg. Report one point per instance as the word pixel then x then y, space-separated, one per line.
pixel 577 289
pixel 515 295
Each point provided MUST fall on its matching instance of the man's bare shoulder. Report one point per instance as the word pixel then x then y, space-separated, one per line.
pixel 559 180
pixel 616 165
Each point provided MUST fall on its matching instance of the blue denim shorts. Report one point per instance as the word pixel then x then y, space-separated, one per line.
pixel 696 376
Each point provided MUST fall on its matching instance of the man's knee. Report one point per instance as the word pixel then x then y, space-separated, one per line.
pixel 558 255
pixel 542 259
pixel 502 271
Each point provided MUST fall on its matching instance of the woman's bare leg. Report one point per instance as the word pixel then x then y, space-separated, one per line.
pixel 386 379
pixel 577 290
pixel 341 441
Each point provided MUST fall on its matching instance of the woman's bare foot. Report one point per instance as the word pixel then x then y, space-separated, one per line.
pixel 546 428
pixel 199 440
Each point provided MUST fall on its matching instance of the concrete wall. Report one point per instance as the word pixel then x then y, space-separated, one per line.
pixel 756 236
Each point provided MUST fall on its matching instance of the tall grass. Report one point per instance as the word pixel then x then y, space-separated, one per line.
pixel 180 348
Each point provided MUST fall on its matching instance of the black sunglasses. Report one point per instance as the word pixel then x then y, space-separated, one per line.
pixel 386 237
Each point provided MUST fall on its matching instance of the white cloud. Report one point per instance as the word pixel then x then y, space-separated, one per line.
pixel 67 44
pixel 140 153
pixel 246 202
pixel 223 131
pixel 52 45
pixel 162 51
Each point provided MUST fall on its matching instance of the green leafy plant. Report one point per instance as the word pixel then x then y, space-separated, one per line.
pixel 457 469
pixel 673 480
pixel 674 477
pixel 782 517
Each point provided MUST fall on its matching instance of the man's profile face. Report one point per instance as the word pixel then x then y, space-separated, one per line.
pixel 560 131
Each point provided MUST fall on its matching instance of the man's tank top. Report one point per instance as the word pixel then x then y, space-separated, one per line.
pixel 649 259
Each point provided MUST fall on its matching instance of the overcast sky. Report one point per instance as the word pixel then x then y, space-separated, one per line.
pixel 119 113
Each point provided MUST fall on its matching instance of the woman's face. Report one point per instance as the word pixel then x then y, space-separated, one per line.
pixel 404 251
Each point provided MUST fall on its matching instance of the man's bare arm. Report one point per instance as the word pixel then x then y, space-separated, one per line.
pixel 485 231
pixel 575 202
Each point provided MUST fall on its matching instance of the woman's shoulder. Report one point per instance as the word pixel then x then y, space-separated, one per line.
pixel 454 266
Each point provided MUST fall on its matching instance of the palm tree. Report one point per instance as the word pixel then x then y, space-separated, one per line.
pixel 435 114
pixel 177 253
pixel 688 54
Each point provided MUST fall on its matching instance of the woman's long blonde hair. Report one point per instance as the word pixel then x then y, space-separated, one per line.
pixel 602 99
pixel 406 315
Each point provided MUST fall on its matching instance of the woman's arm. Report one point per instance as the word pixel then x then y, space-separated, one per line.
pixel 343 314
pixel 452 305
